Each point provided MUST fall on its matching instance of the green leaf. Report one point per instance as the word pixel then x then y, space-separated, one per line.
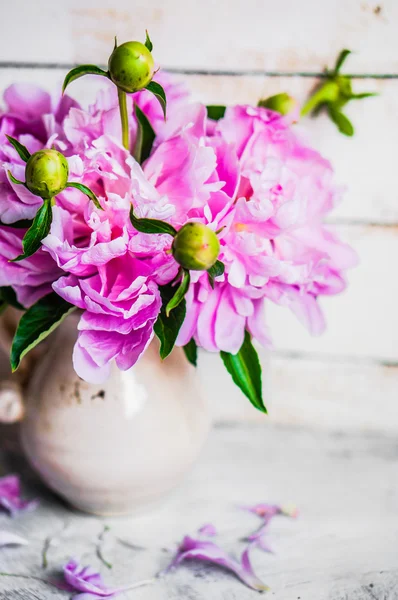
pixel 156 89
pixel 341 59
pixel 14 179
pixel 20 148
pixel 151 225
pixel 343 123
pixel 37 323
pixel 37 231
pixel 80 71
pixel 8 296
pixel 145 136
pixel 363 95
pixel 148 42
pixel 167 328
pixel 323 94
pixel 215 112
pixel 179 294
pixel 215 271
pixel 86 190
pixel 245 370
pixel 191 352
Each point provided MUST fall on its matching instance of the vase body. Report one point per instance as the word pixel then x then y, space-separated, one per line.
pixel 118 447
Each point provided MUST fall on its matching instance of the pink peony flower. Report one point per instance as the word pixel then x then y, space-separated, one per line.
pixel 121 304
pixel 36 120
pixel 268 193
pixel 31 277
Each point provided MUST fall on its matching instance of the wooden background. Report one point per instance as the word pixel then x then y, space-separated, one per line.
pixel 232 51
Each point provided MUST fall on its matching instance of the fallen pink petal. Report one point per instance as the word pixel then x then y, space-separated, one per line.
pixel 209 552
pixel 88 583
pixel 208 530
pixel 11 539
pixel 10 496
pixel 267 512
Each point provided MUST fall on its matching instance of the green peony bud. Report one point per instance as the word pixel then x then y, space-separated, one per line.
pixel 196 247
pixel 46 173
pixel 131 66
pixel 281 103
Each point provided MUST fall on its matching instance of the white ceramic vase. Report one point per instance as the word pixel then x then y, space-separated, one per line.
pixel 118 447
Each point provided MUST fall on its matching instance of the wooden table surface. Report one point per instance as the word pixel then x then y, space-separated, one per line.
pixel 344 545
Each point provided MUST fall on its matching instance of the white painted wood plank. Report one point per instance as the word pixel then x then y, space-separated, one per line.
pixel 343 545
pixel 365 164
pixel 329 394
pixel 243 34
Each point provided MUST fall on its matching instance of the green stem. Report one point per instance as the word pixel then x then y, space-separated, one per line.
pixel 124 118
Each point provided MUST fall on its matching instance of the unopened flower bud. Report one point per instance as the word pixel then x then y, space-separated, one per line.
pixel 131 66
pixel 46 173
pixel 196 247
pixel 281 103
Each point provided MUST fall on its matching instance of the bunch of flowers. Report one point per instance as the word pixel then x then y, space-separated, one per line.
pixel 181 224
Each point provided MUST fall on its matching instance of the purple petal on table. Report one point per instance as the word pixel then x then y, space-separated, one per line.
pixel 259 539
pixel 11 539
pixel 268 511
pixel 191 549
pixel 86 581
pixel 10 496
pixel 208 529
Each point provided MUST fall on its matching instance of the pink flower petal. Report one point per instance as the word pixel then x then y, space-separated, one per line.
pixel 11 539
pixel 204 551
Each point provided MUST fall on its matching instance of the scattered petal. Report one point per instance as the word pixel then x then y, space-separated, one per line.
pixel 208 529
pixel 191 549
pixel 10 496
pixel 11 539
pixel 88 583
pixel 267 512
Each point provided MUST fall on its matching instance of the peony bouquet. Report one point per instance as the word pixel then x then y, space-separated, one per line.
pixel 153 215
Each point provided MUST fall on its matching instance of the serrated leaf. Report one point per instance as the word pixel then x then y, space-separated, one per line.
pixel 23 152
pixel 80 71
pixel 37 231
pixel 37 323
pixel 145 136
pixel 156 89
pixel 167 328
pixel 191 352
pixel 341 59
pixel 343 123
pixel 151 225
pixel 86 190
pixel 148 42
pixel 8 295
pixel 14 179
pixel 245 370
pixel 215 112
pixel 179 293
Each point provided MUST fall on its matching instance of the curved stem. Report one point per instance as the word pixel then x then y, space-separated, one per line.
pixel 124 118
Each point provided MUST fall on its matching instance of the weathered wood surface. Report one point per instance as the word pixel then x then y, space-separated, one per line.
pixel 251 34
pixel 343 546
